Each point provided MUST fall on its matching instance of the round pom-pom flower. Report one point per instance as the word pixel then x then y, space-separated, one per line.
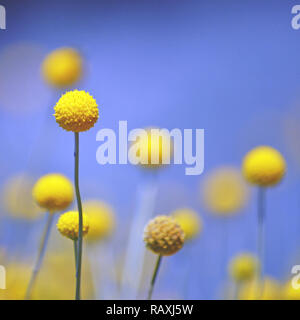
pixel 189 222
pixel 68 224
pixel 163 236
pixel 53 192
pixel 243 267
pixel 264 166
pixel 155 148
pixel 62 67
pixel 224 191
pixel 76 111
pixel 101 220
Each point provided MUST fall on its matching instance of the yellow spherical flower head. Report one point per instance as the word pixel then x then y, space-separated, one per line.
pixel 163 236
pixel 53 192
pixel 268 289
pixel 101 218
pixel 243 267
pixel 17 197
pixel 189 222
pixel 224 191
pixel 76 111
pixel 68 224
pixel 62 67
pixel 289 292
pixel 155 148
pixel 264 166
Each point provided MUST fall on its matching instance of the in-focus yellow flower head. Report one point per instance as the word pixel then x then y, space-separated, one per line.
pixel 268 289
pixel 243 267
pixel 189 222
pixel 288 292
pixel 101 220
pixel 163 236
pixel 76 111
pixel 155 149
pixel 68 224
pixel 62 67
pixel 17 197
pixel 224 191
pixel 53 192
pixel 264 166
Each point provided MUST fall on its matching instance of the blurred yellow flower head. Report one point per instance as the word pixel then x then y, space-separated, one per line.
pixel 62 67
pixel 155 148
pixel 264 166
pixel 189 222
pixel 17 197
pixel 76 111
pixel 268 289
pixel 288 292
pixel 68 224
pixel 224 191
pixel 163 236
pixel 243 267
pixel 101 220
pixel 53 192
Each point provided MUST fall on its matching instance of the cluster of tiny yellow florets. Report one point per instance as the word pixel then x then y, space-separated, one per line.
pixel 53 192
pixel 189 222
pixel 264 166
pixel 163 236
pixel 62 67
pixel 68 224
pixel 76 111
pixel 243 267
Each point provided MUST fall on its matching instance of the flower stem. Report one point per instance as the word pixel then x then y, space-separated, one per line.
pixel 75 252
pixel 260 236
pixel 41 254
pixel 79 205
pixel 154 276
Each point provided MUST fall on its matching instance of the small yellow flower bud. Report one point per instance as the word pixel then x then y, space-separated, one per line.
pixel 68 224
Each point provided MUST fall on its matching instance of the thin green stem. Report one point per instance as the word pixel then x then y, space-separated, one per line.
pixel 154 276
pixel 75 252
pixel 41 254
pixel 79 205
pixel 261 210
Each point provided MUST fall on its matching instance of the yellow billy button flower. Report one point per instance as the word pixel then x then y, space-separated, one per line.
pixel 68 224
pixel 224 191
pixel 62 67
pixel 189 222
pixel 264 166
pixel 76 111
pixel 155 148
pixel 243 267
pixel 101 218
pixel 163 236
pixel 53 192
